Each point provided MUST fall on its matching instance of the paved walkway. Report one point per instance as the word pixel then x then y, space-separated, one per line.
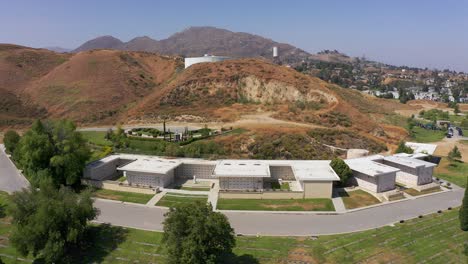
pixel 213 196
pixel 156 198
pixel 338 202
pixel 10 178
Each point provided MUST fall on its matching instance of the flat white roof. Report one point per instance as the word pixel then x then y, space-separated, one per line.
pixel 314 170
pixel 409 162
pixel 369 167
pixel 241 168
pixel 151 165
pixel 422 147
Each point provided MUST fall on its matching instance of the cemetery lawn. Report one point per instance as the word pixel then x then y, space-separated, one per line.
pixel 309 204
pixel 422 135
pixel 455 172
pixel 174 199
pixel 358 198
pixel 140 198
pixel 435 238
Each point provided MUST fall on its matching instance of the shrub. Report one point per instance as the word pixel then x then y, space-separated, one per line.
pixel 11 139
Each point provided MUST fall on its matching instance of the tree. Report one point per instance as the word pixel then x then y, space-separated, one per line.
pixel 342 170
pixel 402 148
pixel 49 223
pixel 456 109
pixel 53 150
pixel 193 233
pixel 11 140
pixel 463 213
pixel 454 154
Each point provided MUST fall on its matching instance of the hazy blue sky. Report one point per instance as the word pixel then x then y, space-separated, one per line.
pixel 424 33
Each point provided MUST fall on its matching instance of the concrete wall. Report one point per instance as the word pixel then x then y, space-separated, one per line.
pixel 187 170
pixel 110 185
pixel 241 183
pixel 318 189
pixel 426 175
pixel 364 181
pixel 104 170
pixel 282 172
pixel 423 174
pixel 386 182
pixel 380 183
pixel 406 178
pixel 261 195
pixel 150 179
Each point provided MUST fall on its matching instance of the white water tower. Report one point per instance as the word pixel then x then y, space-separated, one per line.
pixel 275 52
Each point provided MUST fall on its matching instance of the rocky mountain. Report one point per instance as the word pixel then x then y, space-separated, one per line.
pixel 196 41
pixel 104 42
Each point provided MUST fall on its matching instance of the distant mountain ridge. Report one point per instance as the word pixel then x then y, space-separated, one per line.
pixel 103 42
pixel 196 41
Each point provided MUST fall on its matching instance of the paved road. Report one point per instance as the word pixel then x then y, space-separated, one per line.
pixel 10 179
pixel 275 224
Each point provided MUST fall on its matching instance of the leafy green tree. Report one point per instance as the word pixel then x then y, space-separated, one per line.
pixel 342 170
pixel 49 223
pixel 454 154
pixel 193 233
pixel 33 153
pixel 53 150
pixel 11 140
pixel 402 148
pixel 463 213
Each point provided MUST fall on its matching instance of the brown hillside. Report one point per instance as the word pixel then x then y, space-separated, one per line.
pixel 109 86
pixel 203 88
pixel 20 65
pixel 98 85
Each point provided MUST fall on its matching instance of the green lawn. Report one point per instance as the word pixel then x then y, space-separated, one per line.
pixel 140 198
pixel 276 204
pixel 426 135
pixel 358 198
pixel 174 199
pixel 432 239
pixel 96 137
pixel 414 192
pixel 455 172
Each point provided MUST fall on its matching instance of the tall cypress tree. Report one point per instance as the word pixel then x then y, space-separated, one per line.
pixel 464 211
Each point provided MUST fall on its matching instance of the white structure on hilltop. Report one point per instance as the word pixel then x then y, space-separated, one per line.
pixel 275 52
pixel 207 58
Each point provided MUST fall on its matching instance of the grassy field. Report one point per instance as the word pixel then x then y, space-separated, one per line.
pixel 358 198
pixel 140 198
pixel 276 204
pixel 414 192
pixel 174 199
pixel 455 172
pixel 96 137
pixel 433 239
pixel 426 135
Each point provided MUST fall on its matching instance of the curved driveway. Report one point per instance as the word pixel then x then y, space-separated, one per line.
pixel 251 223
pixel 290 224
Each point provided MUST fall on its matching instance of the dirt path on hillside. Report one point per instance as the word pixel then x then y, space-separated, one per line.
pixel 255 120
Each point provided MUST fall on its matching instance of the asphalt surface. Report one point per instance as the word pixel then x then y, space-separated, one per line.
pixel 253 223
pixel 263 223
pixel 10 178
